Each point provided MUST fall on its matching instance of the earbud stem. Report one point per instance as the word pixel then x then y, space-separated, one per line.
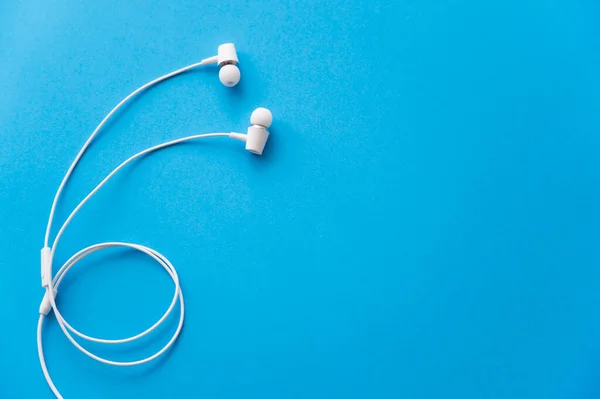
pixel 238 136
pixel 210 60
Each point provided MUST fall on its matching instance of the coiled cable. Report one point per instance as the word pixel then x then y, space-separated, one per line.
pixel 51 284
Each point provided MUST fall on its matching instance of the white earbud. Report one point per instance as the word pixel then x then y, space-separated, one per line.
pixel 227 59
pixel 258 134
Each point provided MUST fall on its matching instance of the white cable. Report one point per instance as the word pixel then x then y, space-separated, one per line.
pixel 51 284
pixel 95 132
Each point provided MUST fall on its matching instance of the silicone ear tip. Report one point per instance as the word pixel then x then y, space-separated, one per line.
pixel 229 75
pixel 261 116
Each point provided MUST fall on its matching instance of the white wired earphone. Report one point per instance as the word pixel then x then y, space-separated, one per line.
pixel 255 140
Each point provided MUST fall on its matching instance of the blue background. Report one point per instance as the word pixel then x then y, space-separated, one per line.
pixel 424 222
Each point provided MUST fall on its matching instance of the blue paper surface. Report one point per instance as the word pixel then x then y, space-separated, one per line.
pixel 424 222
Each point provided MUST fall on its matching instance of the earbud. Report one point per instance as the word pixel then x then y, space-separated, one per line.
pixel 227 59
pixel 258 134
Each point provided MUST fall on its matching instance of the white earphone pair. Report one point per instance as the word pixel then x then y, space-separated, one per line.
pixel 255 139
pixel 261 118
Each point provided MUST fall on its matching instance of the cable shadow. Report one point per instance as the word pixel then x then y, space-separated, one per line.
pixel 139 371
